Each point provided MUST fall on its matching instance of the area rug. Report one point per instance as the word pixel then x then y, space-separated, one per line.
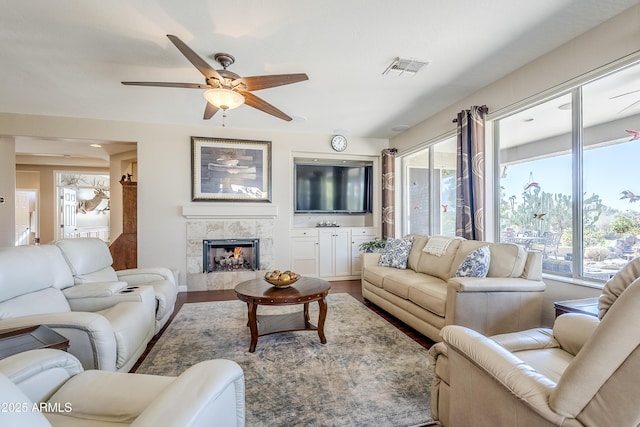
pixel 368 374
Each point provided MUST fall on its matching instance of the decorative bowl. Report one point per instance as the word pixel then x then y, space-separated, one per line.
pixel 282 283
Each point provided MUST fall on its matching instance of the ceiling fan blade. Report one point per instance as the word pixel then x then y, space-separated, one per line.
pixel 625 94
pixel 629 106
pixel 202 65
pixel 166 84
pixel 262 105
pixel 264 82
pixel 209 111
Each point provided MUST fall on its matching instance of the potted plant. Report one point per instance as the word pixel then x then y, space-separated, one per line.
pixel 375 245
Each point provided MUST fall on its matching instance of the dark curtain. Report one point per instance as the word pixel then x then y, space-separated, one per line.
pixel 470 174
pixel 388 192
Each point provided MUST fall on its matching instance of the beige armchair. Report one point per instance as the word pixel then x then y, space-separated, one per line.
pixel 583 372
pixel 50 388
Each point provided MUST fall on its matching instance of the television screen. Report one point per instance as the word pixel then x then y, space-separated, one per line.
pixel 333 188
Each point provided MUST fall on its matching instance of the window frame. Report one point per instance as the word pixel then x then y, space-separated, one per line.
pixel 574 88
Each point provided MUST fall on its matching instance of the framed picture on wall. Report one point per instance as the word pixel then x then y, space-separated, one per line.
pixel 230 170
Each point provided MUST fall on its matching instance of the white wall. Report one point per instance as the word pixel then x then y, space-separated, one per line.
pixel 7 191
pixel 164 170
pixel 610 41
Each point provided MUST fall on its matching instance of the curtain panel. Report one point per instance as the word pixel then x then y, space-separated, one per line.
pixel 470 200
pixel 388 192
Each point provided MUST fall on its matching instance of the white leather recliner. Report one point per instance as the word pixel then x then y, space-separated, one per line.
pixel 50 388
pixel 107 328
pixel 583 372
pixel 90 261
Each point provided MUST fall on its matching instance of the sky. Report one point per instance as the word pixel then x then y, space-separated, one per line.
pixel 607 172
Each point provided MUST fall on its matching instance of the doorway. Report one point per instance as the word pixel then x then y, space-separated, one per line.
pixel 83 205
pixel 26 216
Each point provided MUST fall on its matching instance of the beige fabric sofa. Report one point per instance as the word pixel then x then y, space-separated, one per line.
pixel 427 296
pixel 583 372
pixel 108 326
pixel 50 388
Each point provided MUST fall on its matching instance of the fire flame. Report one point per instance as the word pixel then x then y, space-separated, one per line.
pixel 237 252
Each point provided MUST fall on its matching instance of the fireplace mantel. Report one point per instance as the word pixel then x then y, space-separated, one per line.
pixel 242 210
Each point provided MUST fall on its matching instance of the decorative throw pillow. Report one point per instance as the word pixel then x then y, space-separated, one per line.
pixel 476 264
pixel 396 252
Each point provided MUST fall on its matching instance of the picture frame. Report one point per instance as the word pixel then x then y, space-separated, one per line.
pixel 230 170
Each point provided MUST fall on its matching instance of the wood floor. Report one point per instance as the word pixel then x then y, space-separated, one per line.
pixel 351 287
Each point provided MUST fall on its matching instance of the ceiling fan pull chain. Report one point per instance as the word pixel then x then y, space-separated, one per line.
pixel 224 116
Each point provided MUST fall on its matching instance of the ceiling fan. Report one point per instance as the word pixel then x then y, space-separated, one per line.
pixel 225 89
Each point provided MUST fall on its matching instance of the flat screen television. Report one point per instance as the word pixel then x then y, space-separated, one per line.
pixel 333 188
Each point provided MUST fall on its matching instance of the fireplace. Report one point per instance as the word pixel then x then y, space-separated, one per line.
pixel 220 255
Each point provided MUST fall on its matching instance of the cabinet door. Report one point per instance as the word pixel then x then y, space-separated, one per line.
pixel 325 253
pixel 304 256
pixel 342 253
pixel 356 263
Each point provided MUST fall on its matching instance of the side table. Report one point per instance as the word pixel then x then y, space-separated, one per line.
pixel 584 305
pixel 18 340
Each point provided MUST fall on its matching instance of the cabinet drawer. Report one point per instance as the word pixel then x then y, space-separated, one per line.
pixel 304 232
pixel 365 231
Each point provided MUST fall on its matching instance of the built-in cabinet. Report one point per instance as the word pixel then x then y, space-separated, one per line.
pixel 334 252
pixel 304 252
pixel 330 253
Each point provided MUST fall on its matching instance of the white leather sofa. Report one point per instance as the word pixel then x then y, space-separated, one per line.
pixel 50 388
pixel 427 295
pixel 107 328
pixel 583 372
pixel 90 261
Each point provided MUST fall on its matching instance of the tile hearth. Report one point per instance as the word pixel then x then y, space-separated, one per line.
pixel 199 230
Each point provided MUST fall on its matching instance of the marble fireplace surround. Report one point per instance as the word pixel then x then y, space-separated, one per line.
pixel 227 222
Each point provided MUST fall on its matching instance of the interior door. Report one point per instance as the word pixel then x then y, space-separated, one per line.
pixel 22 218
pixel 69 209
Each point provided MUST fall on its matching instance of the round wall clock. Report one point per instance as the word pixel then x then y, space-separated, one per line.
pixel 339 143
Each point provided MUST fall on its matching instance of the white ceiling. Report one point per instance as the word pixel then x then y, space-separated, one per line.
pixel 68 57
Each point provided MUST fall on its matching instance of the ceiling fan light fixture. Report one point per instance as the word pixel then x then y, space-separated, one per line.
pixel 225 99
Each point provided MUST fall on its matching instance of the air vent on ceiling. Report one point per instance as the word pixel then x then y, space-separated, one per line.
pixel 404 67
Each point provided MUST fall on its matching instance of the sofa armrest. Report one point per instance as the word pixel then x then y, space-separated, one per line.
pixel 494 305
pixel 93 290
pixel 530 339
pixel 140 276
pixel 370 259
pixel 39 373
pixel 477 362
pixel 208 393
pixel 572 330
pixel 495 284
pixel 91 337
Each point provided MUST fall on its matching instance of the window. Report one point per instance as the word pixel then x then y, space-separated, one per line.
pixel 568 164
pixel 429 196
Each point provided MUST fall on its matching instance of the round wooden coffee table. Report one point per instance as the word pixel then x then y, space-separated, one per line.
pixel 258 292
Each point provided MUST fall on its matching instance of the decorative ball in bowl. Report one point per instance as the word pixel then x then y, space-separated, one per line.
pixel 281 279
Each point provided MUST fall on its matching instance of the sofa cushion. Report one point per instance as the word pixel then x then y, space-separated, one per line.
pixel 93 268
pixel 50 300
pixel 439 266
pixel 396 252
pixel 416 250
pixel 401 281
pixel 430 294
pixel 507 259
pixel 25 269
pixel 375 274
pixel 476 263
